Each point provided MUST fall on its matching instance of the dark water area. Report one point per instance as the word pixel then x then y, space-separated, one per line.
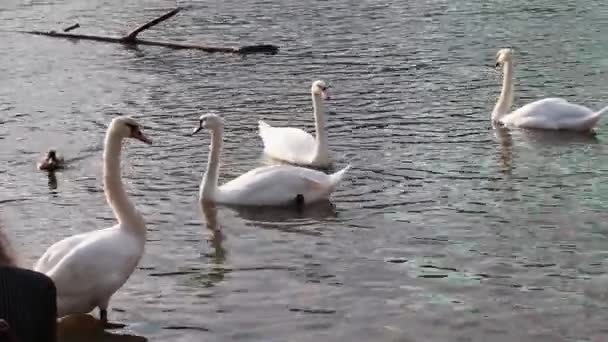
pixel 443 230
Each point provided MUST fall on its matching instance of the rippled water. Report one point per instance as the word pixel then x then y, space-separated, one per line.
pixel 445 230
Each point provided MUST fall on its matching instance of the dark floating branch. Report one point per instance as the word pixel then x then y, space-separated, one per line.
pixel 70 28
pixel 131 39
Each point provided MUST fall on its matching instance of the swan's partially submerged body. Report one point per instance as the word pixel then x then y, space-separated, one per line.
pixel 279 185
pixel 553 114
pixel 296 146
pixel 548 113
pixel 276 185
pixel 88 268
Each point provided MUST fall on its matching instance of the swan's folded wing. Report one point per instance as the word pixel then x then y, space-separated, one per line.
pixel 56 252
pixel 287 143
pixel 549 113
pixel 315 185
pixel 256 177
pixel 275 184
pixel 283 175
pixel 102 263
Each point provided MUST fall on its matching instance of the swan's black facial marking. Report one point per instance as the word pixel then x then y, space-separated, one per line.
pixel 201 124
pixel 136 133
pixel 134 129
pixel 322 90
pixel 322 87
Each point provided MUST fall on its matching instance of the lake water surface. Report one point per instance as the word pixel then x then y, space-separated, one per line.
pixel 444 230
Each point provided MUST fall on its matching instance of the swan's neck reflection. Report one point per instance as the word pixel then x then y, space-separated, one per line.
pixel 505 150
pixel 210 219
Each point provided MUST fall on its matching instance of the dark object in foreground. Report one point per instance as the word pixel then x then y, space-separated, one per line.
pixel 5 332
pixel 27 305
pixel 131 39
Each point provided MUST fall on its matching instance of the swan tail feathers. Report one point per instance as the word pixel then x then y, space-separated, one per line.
pixel 601 112
pixel 264 131
pixel 596 117
pixel 336 177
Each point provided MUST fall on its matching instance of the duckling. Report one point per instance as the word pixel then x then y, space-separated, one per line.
pixel 51 162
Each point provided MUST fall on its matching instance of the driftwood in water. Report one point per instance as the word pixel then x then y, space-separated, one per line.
pixel 131 39
pixel 70 28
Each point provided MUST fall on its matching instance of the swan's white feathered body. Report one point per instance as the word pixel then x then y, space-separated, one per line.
pixel 548 113
pixel 89 268
pixel 275 185
pixel 554 114
pixel 279 185
pixel 292 145
pixel 296 146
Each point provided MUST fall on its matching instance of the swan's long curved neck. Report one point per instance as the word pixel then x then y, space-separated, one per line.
pixel 208 189
pixel 321 151
pixel 117 198
pixel 505 101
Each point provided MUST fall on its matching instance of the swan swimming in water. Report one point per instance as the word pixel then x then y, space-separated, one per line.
pixel 296 146
pixel 88 268
pixel 51 162
pixel 276 185
pixel 549 113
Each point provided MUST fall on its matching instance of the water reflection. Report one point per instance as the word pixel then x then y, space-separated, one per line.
pixel 209 211
pixel 216 268
pixel 505 150
pixel 81 327
pixel 52 180
pixel 315 211
pixel 542 138
pixel 550 137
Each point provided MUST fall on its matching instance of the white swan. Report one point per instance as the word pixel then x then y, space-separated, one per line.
pixel 88 268
pixel 548 113
pixel 275 185
pixel 296 146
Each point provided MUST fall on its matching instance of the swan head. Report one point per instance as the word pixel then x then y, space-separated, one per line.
pixel 209 121
pixel 504 56
pixel 127 127
pixel 319 88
